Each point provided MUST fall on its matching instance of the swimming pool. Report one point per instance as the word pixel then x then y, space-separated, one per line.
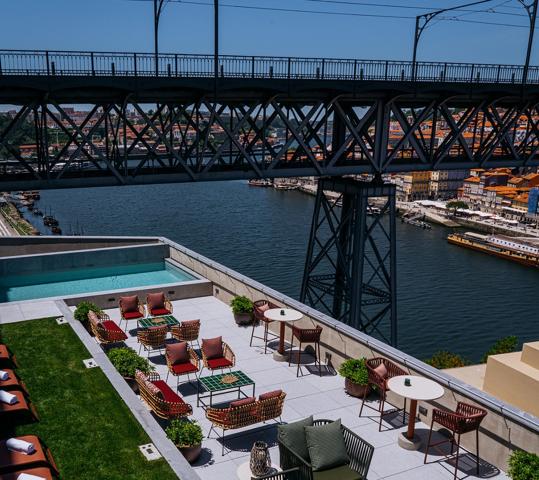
pixel 89 279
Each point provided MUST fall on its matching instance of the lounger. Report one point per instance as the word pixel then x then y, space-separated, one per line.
pixel 43 472
pixel 11 462
pixel 7 359
pixel 22 407
pixel 13 382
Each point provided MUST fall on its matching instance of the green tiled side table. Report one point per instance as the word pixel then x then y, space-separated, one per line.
pixel 212 385
pixel 151 321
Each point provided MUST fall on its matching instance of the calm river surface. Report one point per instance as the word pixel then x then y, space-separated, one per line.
pixel 448 297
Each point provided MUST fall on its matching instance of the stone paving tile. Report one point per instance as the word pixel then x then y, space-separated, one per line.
pixel 28 310
pixel 324 397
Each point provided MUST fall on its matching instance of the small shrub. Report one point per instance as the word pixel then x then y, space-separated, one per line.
pixel 184 433
pixel 503 345
pixel 81 312
pixel 241 305
pixel 355 370
pixel 523 466
pixel 444 359
pixel 126 361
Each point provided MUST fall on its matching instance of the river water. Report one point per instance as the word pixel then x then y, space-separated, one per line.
pixel 448 297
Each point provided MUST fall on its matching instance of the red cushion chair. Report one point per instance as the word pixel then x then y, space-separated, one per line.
pixel 216 354
pixel 181 360
pixel 158 304
pixel 131 308
pixel 104 329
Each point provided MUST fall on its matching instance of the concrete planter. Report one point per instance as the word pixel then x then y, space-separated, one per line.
pixel 355 390
pixel 191 454
pixel 243 318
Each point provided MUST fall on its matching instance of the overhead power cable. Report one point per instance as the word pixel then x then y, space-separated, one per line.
pixel 334 13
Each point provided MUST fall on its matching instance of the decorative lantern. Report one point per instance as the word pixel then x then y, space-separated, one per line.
pixel 260 462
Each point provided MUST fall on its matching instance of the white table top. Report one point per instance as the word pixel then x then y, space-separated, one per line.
pixel 421 388
pixel 244 471
pixel 289 315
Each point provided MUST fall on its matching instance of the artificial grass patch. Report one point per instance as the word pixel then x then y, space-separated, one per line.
pixel 85 423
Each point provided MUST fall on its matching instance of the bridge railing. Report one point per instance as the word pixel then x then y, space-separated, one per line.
pixel 25 62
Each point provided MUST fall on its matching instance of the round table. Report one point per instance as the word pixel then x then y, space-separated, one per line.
pixel 420 388
pixel 244 471
pixel 282 315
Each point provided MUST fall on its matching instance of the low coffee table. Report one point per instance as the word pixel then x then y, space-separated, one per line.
pixel 212 385
pixel 167 320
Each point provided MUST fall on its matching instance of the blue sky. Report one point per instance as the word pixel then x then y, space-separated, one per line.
pixel 125 25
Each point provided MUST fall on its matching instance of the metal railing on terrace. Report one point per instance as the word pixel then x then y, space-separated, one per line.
pixel 63 63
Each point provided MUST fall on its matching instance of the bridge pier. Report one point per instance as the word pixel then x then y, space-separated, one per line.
pixel 350 269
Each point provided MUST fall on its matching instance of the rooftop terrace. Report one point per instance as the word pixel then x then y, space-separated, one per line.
pixel 504 429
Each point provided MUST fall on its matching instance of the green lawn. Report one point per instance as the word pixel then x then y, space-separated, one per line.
pixel 89 429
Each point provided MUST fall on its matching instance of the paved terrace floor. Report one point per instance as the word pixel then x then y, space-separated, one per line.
pixel 323 397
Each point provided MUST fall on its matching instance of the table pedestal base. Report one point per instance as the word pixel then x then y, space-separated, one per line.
pixel 408 444
pixel 280 357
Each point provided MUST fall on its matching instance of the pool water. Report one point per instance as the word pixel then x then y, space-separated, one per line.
pixel 87 280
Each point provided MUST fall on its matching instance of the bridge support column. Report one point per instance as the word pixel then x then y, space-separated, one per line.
pixel 350 270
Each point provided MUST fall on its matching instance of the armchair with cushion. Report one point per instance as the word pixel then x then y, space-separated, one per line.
pixel 152 338
pixel 181 360
pixel 163 401
pixel 104 329
pixel 158 304
pixel 216 354
pixel 186 331
pixel 323 450
pixel 131 308
pixel 290 474
pixel 380 370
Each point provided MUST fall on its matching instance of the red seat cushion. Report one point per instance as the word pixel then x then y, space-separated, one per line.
pixel 169 395
pixel 129 304
pixel 272 394
pixel 111 326
pixel 159 311
pixel 183 368
pixel 177 353
pixel 132 315
pixel 219 363
pixel 156 300
pixel 213 347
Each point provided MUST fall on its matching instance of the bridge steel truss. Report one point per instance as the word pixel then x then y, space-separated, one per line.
pixel 159 130
pixel 350 270
pixel 198 140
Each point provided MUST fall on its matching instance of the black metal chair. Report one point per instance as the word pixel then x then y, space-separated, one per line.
pixel 290 474
pixel 359 451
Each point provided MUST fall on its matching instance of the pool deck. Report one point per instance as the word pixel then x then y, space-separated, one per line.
pixel 322 396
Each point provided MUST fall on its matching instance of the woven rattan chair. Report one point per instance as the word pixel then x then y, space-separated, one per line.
pixel 380 384
pixel 359 451
pixel 232 418
pixel 158 304
pixel 228 360
pixel 187 331
pixel 466 418
pixel 105 330
pixel 163 401
pixel 129 311
pixel 185 368
pixel 306 335
pixel 259 307
pixel 152 338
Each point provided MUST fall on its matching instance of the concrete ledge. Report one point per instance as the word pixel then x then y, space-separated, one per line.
pixel 168 450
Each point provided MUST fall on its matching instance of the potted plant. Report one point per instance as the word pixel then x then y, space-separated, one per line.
pixel 356 377
pixel 523 466
pixel 242 308
pixel 187 436
pixel 127 361
pixel 81 312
